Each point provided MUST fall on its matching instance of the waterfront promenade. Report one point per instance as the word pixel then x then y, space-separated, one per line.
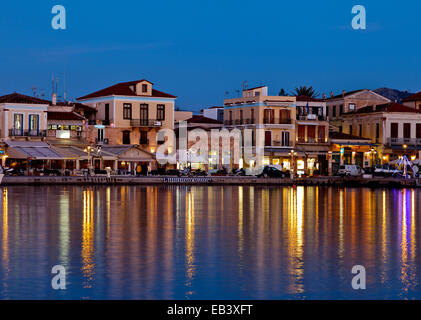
pixel 380 182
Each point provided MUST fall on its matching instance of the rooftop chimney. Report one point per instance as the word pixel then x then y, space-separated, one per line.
pixel 343 93
pixel 331 94
pixel 324 96
pixel 54 99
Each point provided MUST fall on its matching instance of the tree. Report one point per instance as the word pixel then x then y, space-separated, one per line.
pixel 282 92
pixel 306 91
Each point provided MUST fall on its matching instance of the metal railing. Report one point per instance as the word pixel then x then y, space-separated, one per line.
pixel 311 117
pixel 27 133
pixel 404 141
pixel 277 120
pixel 145 123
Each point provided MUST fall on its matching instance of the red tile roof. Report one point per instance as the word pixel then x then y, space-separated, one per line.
pixel 388 107
pixel 21 98
pixel 57 115
pixel 202 119
pixel 414 97
pixel 123 89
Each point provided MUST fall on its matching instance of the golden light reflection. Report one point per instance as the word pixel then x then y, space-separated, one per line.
pixel 295 237
pixel 5 231
pixel 404 243
pixel 240 219
pixel 88 264
pixel 341 224
pixel 384 237
pixel 189 238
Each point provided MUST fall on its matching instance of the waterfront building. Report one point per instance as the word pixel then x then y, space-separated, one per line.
pixel 346 149
pixel 215 112
pixel 312 136
pixel 214 161
pixel 129 113
pixel 413 101
pixel 394 129
pixel 23 117
pixel 274 115
pixel 351 101
pixel 182 115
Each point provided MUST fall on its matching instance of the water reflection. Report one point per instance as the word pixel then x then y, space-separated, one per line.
pixel 209 242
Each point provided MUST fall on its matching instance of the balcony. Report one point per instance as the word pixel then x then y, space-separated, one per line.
pixel 404 141
pixel 145 123
pixel 311 117
pixel 277 120
pixel 27 133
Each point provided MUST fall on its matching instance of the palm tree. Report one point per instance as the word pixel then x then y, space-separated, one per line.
pixel 305 91
pixel 282 93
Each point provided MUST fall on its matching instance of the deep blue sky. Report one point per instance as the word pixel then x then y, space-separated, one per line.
pixel 198 50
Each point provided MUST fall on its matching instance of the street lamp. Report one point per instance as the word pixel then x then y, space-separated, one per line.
pixel 89 149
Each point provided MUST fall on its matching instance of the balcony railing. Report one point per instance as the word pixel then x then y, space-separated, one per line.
pixel 311 117
pixel 27 133
pixel 145 123
pixel 277 121
pixel 404 141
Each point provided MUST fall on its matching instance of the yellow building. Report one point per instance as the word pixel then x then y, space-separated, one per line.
pixel 130 113
pixel 394 129
pixel 273 115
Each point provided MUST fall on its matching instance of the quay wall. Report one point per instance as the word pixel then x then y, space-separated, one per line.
pixel 219 180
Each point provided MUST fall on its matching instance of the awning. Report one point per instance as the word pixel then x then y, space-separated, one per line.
pixel 35 153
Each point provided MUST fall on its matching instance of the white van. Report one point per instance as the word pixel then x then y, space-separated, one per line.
pixel 350 170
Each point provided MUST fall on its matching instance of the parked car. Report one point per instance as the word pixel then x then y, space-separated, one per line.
pixel 272 172
pixel 173 172
pixel 239 172
pixel 384 170
pixel 200 172
pixel 349 170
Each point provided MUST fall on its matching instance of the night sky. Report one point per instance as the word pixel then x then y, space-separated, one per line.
pixel 199 50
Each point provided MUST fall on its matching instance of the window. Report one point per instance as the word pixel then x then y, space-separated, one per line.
pixel 350 129
pixel 107 112
pixel 418 131
pixel 33 122
pixel 241 116
pixel 285 138
pixel 126 137
pixel 361 130
pixel 100 135
pixel 351 107
pixel 144 114
pixel 340 129
pixel 257 93
pixel 127 111
pixel 407 130
pixel 321 134
pixel 327 111
pixel 377 130
pixel 143 137
pixel 160 112
pixel 311 133
pixel 341 109
pixel 334 111
pixel 144 88
pixel 18 123
pixel 394 127
pixel 301 133
pixel 252 116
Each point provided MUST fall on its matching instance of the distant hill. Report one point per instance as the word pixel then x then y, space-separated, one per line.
pixel 393 94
